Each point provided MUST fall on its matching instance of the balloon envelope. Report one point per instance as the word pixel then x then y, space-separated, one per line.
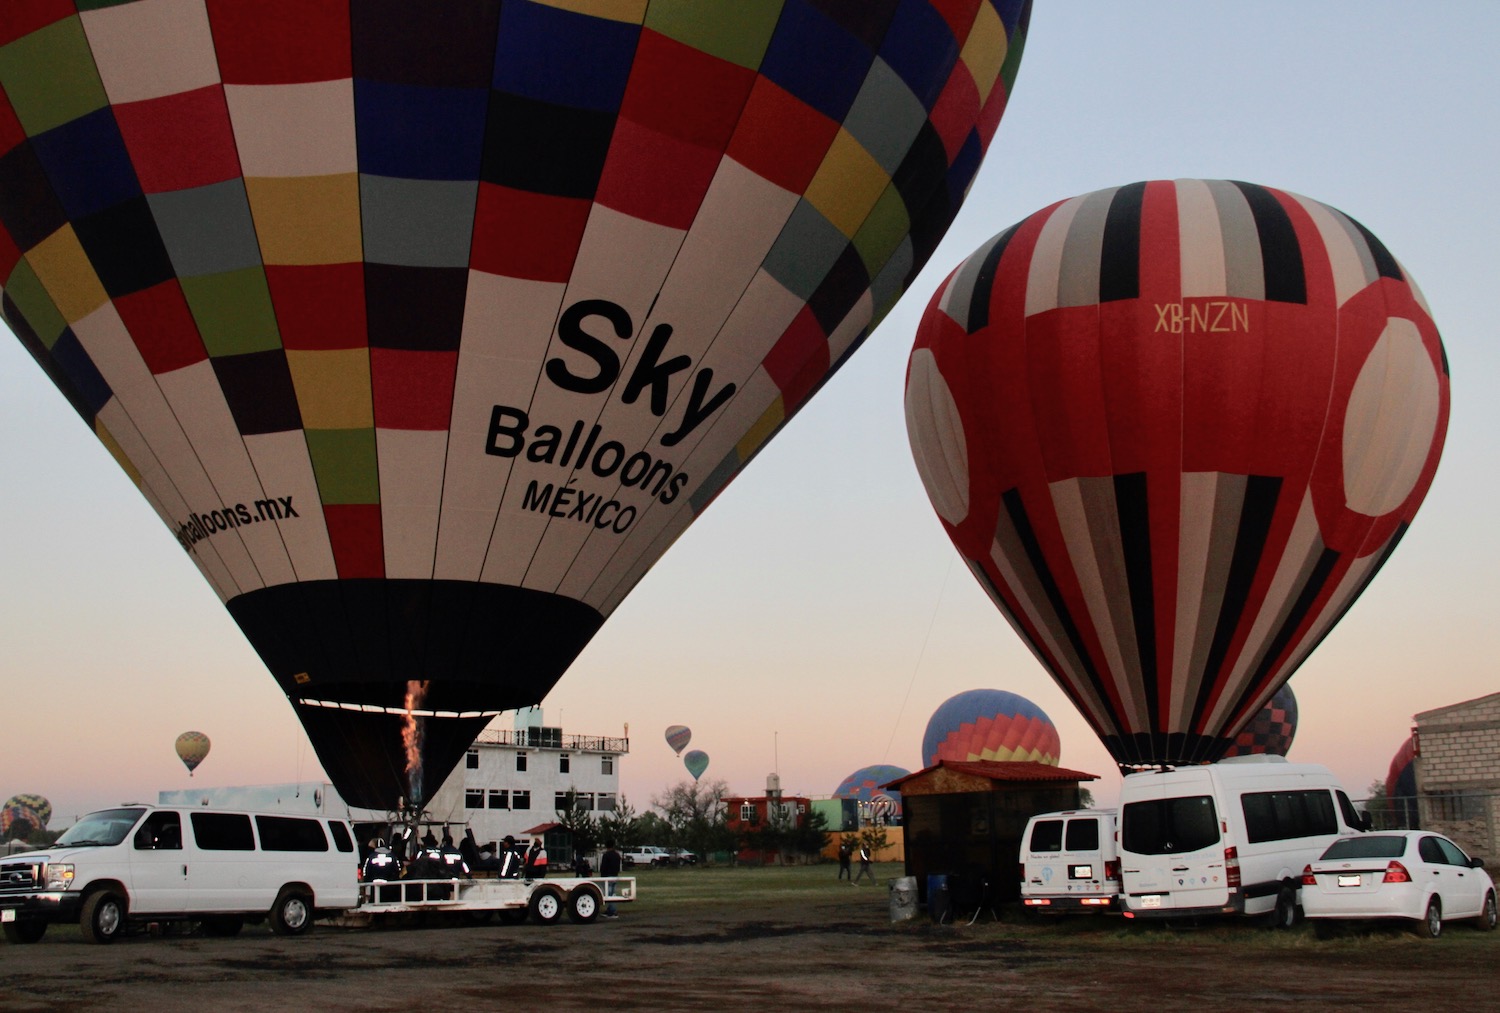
pixel 678 736
pixel 36 803
pixel 990 724
pixel 18 821
pixel 191 748
pixel 696 762
pixel 1271 730
pixel 427 328
pixel 1401 785
pixel 1175 428
pixel 864 785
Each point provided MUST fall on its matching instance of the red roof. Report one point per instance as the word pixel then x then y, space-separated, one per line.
pixel 541 828
pixel 997 770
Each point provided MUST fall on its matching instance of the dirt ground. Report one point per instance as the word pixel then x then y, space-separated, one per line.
pixel 823 946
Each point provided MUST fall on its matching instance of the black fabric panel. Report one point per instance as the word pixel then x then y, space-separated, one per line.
pixel 866 20
pixel 124 246
pixel 1135 539
pixel 840 288
pixel 984 284
pixel 419 309
pixel 1261 494
pixel 545 148
pixel 29 207
pixel 54 370
pixel 1280 253
pixel 258 388
pixel 922 181
pixel 1120 249
pixel 1385 264
pixel 448 45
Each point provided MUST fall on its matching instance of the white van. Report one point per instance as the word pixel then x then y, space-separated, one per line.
pixel 1070 862
pixel 1227 838
pixel 156 863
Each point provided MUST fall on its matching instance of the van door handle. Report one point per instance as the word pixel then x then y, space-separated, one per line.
pixel 1179 868
pixel 184 872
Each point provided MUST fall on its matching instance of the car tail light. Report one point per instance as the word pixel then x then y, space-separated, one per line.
pixel 1308 879
pixel 1396 873
pixel 1232 868
pixel 1112 870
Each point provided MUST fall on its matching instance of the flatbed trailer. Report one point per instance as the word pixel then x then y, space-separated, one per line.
pixel 544 901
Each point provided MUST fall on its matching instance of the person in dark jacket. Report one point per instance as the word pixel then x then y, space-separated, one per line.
pixel 609 867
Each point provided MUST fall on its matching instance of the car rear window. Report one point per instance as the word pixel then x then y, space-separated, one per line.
pixel 1047 836
pixel 1367 846
pixel 1083 835
pixel 1169 826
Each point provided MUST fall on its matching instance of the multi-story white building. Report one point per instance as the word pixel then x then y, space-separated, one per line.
pixel 514 780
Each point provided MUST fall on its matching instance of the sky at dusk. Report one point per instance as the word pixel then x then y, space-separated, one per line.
pixel 815 616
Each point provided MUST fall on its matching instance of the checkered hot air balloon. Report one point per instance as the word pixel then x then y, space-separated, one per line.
pixel 1271 730
pixel 36 803
pixel 1175 428
pixel 192 748
pixel 427 327
pixel 17 821
pixel 990 724
pixel 864 785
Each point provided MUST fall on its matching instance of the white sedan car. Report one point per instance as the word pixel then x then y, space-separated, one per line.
pixel 1411 874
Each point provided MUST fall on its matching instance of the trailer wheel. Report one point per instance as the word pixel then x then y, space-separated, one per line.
pixel 103 917
pixel 583 905
pixel 25 931
pixel 546 907
pixel 292 914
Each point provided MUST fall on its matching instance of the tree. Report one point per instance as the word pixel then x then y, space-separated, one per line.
pixel 579 822
pixel 619 824
pixel 1085 799
pixel 873 837
pixel 812 836
pixel 694 810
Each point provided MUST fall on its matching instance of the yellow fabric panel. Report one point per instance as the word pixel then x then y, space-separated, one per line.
pixel 765 426
pixel 116 451
pixel 333 388
pixel 65 272
pixel 984 50
pixel 307 219
pixel 847 184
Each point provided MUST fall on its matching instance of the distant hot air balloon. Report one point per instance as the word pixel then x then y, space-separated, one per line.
pixel 1401 784
pixel 192 747
pixel 1175 428
pixel 696 762
pixel 865 783
pixel 678 736
pixel 17 821
pixel 884 804
pixel 1271 730
pixel 36 803
pixel 427 328
pixel 990 724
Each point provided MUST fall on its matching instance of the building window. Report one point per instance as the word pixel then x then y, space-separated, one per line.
pixel 471 760
pixel 563 763
pixel 560 801
pixel 606 765
pixel 520 800
pixel 521 761
pixel 747 812
pixel 498 798
pixel 473 798
pixel 606 802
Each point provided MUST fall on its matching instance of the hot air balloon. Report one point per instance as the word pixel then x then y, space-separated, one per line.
pixel 427 328
pixel 865 783
pixel 990 724
pixel 1401 785
pixel 36 803
pixel 1271 730
pixel 678 736
pixel 192 747
pixel 1175 428
pixel 696 762
pixel 18 821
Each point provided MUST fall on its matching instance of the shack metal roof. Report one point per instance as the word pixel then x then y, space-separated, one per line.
pixel 540 828
pixel 1009 772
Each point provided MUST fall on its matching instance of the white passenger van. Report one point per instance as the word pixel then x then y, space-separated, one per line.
pixel 157 863
pixel 1070 862
pixel 1227 838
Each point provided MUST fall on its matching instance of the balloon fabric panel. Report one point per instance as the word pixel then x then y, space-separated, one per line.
pixel 1174 470
pixel 427 329
pixel 1271 730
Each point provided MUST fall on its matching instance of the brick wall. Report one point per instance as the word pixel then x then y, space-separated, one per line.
pixel 1458 773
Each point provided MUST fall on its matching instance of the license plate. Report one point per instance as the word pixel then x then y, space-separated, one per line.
pixel 1349 881
pixel 1151 900
pixel 7 915
pixel 1081 872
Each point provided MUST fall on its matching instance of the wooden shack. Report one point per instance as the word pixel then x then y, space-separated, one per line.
pixel 965 820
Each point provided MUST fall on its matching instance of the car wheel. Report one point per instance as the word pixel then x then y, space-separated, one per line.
pixel 223 926
pixel 30 931
pixel 546 907
pixel 583 905
pixel 1285 914
pixel 1431 925
pixel 292 914
pixel 103 917
pixel 628 862
pixel 1487 916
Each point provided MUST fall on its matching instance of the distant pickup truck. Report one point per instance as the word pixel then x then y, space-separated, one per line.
pixel 645 854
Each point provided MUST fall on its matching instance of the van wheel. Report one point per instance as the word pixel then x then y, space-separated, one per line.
pixel 292 914
pixel 1487 917
pixel 1285 915
pixel 33 931
pixel 583 905
pixel 103 917
pixel 222 926
pixel 546 907
pixel 1431 926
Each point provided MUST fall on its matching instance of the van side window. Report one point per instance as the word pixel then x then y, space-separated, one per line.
pixel 1169 826
pixel 1351 815
pixel 286 833
pixel 341 838
pixel 1047 835
pixel 1286 815
pixel 1083 835
pixel 223 831
pixel 161 831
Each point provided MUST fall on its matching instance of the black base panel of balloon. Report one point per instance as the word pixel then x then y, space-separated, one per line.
pixel 364 753
pixel 1139 752
pixel 478 646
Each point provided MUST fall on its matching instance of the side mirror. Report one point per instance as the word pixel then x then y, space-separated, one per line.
pixel 1476 863
pixel 1364 821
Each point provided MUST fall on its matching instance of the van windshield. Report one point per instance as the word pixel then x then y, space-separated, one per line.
pixel 105 828
pixel 1169 826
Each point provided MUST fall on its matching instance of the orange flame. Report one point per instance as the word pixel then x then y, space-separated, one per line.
pixel 411 737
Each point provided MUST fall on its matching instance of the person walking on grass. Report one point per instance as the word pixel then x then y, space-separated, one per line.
pixel 844 872
pixel 864 866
